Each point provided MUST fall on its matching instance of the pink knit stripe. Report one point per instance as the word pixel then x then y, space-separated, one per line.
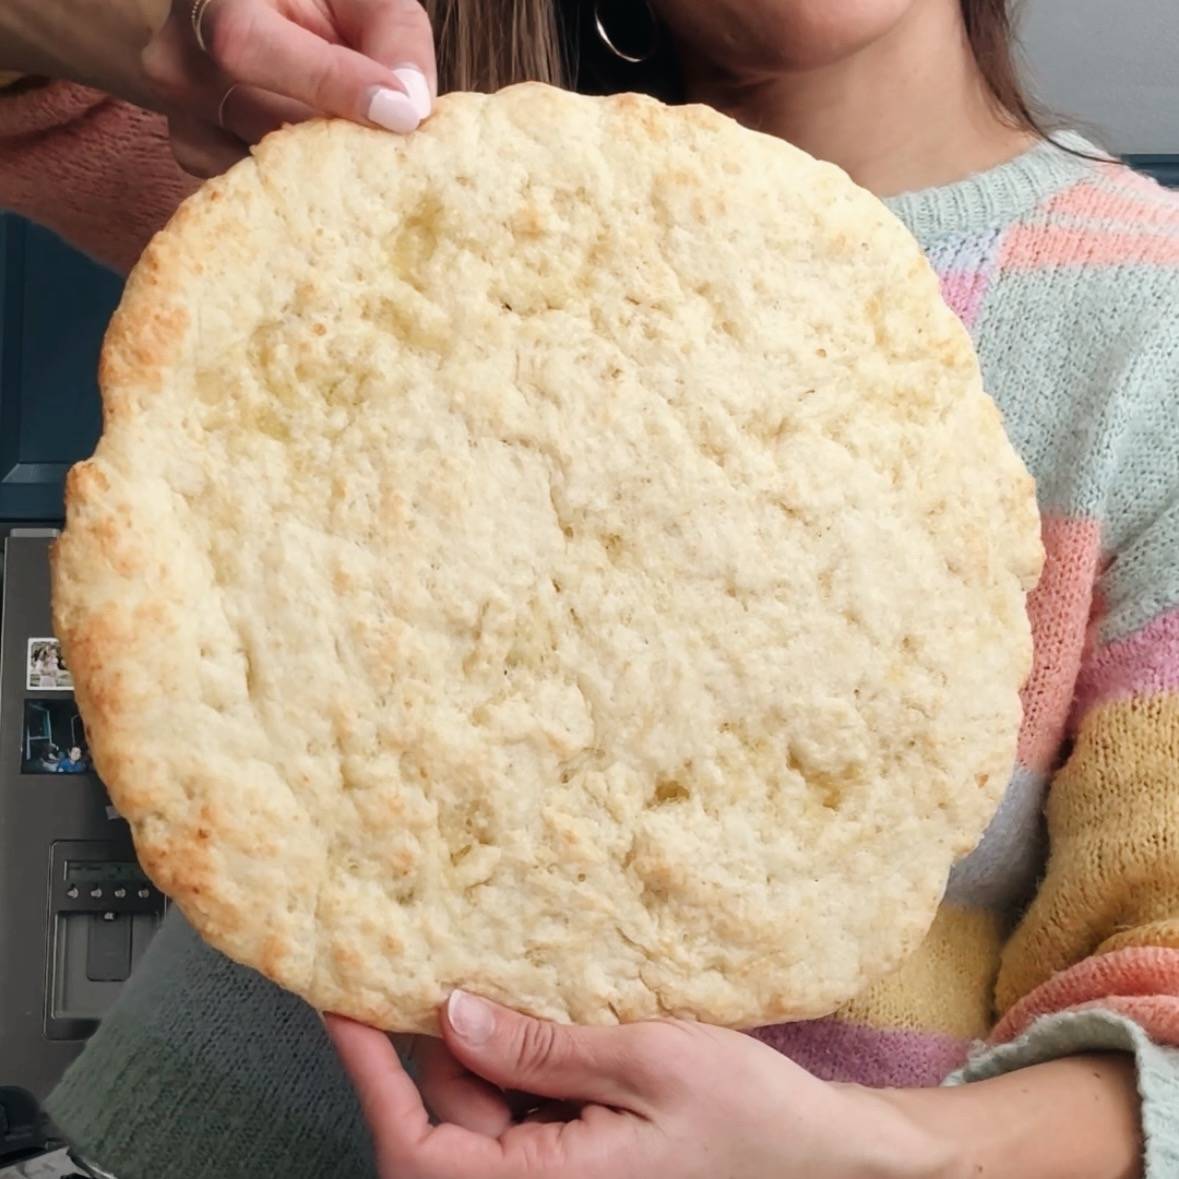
pixel 1059 609
pixel 1036 246
pixel 36 109
pixel 963 291
pixel 1145 663
pixel 835 1050
pixel 1141 981
pixel 95 170
pixel 1136 198
pixel 1156 1015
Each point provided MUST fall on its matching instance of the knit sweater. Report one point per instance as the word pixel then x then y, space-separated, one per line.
pixel 1059 934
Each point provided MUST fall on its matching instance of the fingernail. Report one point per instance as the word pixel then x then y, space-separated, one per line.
pixel 472 1018
pixel 417 88
pixel 393 110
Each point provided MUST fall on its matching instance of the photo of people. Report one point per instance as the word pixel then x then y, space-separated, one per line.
pixel 46 668
pixel 54 741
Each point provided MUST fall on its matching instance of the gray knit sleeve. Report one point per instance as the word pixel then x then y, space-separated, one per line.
pixel 204 1070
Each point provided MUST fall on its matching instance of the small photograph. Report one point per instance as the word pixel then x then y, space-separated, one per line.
pixel 54 741
pixel 46 669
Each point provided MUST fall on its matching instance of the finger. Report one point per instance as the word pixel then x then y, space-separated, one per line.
pixel 189 82
pixel 388 1098
pixel 251 114
pixel 254 44
pixel 456 1095
pixel 396 33
pixel 179 76
pixel 604 1065
pixel 196 15
pixel 402 1135
pixel 201 149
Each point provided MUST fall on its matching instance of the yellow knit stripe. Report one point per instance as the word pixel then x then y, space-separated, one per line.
pixel 945 986
pixel 1113 869
pixel 1163 931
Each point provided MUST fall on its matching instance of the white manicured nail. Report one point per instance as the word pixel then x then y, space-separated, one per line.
pixel 393 110
pixel 470 1017
pixel 417 88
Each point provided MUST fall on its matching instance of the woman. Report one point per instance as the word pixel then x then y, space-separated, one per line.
pixel 1066 962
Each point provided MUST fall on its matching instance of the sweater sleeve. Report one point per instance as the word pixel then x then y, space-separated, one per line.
pixel 97 171
pixel 1094 964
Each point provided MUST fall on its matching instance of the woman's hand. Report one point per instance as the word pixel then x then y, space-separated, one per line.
pixel 668 1099
pixel 226 72
pixel 681 1101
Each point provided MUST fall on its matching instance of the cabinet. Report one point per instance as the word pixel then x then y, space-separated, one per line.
pixel 54 307
pixel 1164 168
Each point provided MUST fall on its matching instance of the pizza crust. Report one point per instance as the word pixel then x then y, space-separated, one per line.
pixel 566 553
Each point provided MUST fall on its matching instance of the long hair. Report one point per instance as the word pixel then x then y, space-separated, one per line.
pixel 487 44
pixel 990 28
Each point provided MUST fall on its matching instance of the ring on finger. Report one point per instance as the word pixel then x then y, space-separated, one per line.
pixel 221 105
pixel 199 8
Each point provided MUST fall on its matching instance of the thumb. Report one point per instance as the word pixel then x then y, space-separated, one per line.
pixel 603 1065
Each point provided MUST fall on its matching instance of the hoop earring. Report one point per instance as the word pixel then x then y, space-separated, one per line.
pixel 609 41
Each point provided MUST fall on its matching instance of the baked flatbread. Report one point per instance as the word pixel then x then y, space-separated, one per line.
pixel 566 553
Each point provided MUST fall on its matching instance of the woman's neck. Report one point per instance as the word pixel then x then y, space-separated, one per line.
pixel 909 111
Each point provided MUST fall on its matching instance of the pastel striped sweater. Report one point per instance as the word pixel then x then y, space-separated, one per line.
pixel 1060 934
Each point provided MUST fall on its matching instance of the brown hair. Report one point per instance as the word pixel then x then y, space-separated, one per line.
pixel 990 28
pixel 491 43
pixel 487 44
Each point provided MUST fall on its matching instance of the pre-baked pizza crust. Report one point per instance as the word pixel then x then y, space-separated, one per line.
pixel 566 553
